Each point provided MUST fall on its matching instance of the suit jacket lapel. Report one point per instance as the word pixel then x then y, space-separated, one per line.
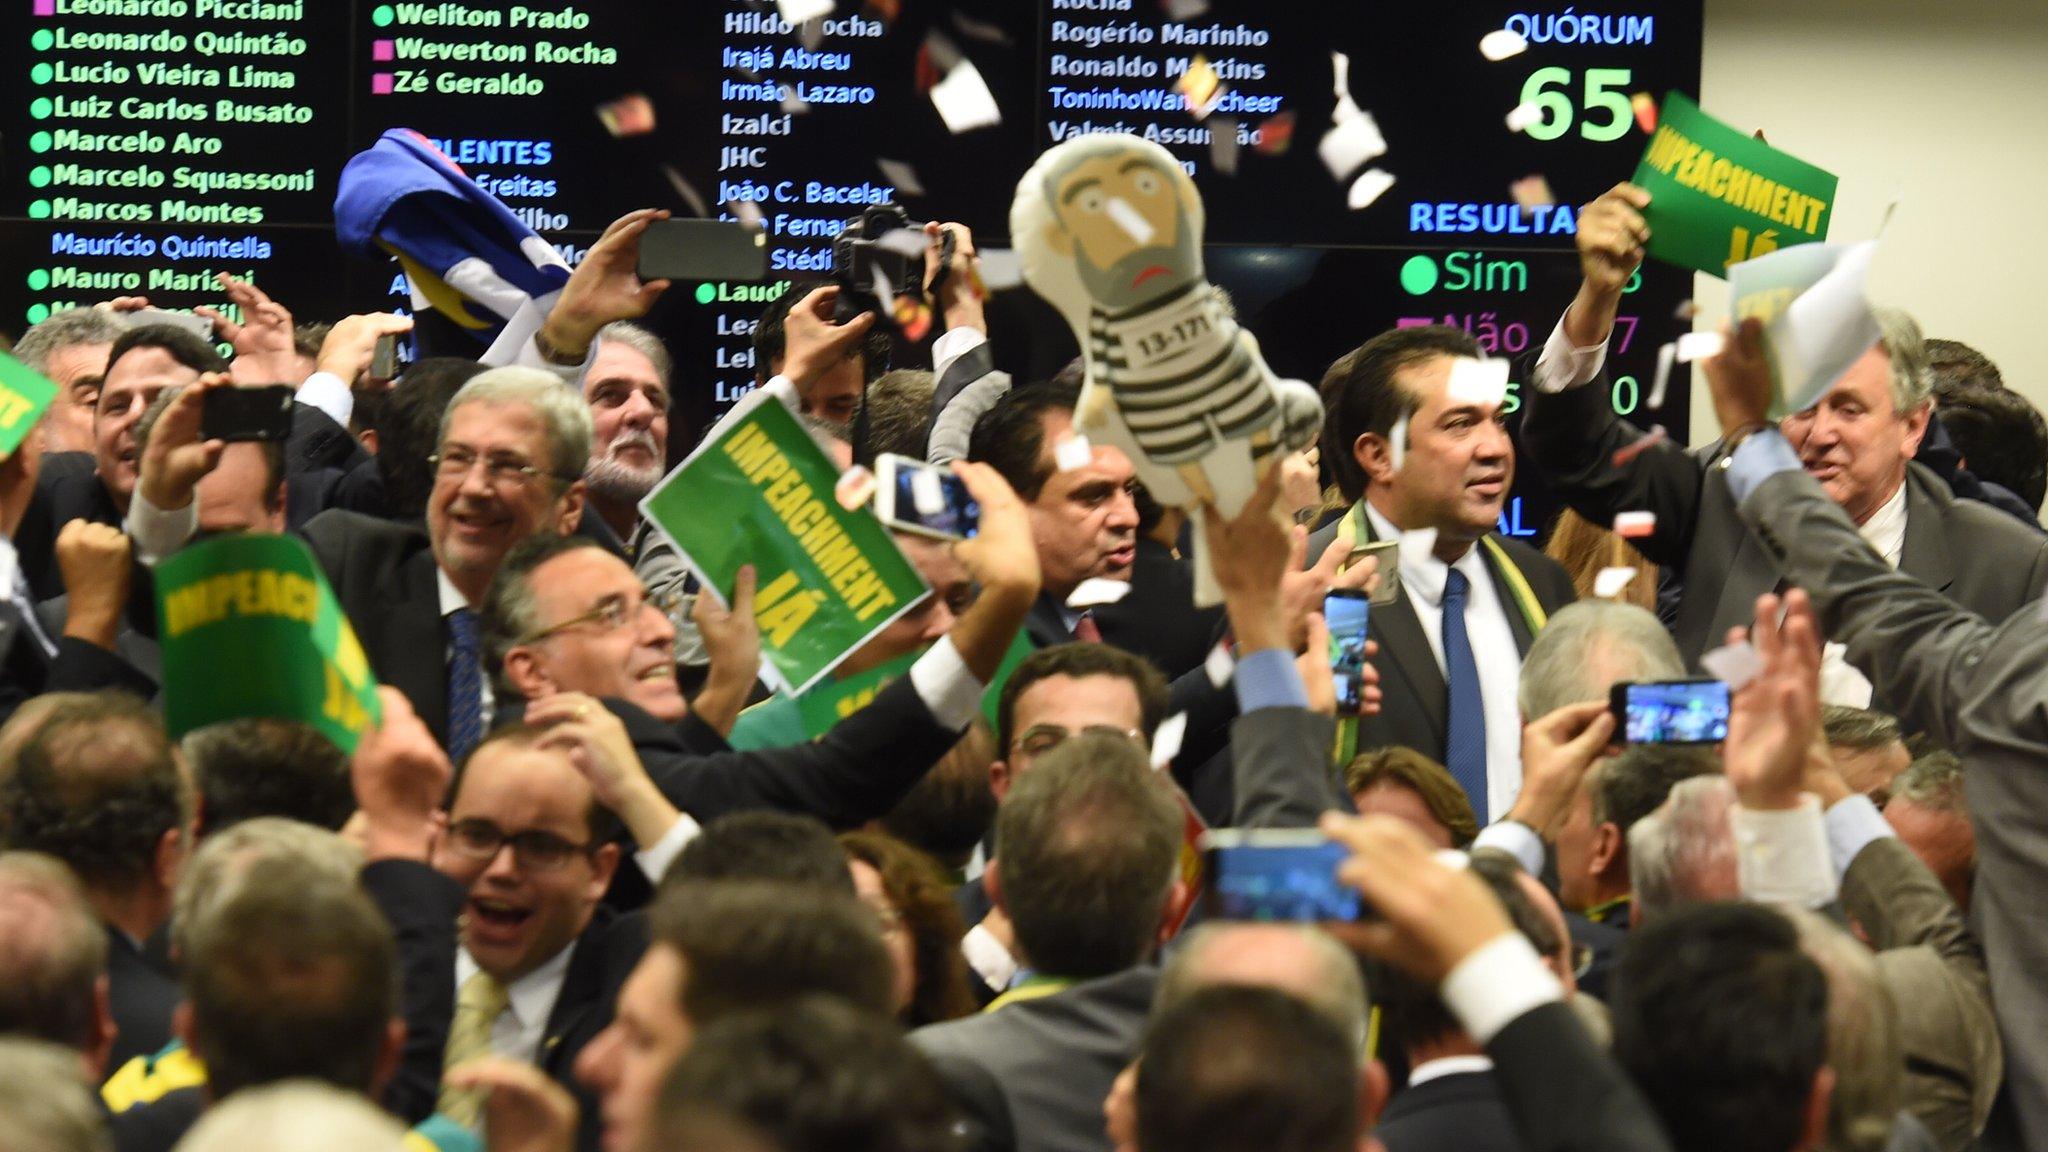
pixel 418 639
pixel 1925 554
pixel 1518 621
pixel 1750 574
pixel 1400 634
pixel 1046 625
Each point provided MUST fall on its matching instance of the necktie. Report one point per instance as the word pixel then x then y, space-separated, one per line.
pixel 477 1007
pixel 1465 739
pixel 465 686
pixel 1086 630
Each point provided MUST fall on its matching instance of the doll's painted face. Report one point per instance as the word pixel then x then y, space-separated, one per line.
pixel 1123 218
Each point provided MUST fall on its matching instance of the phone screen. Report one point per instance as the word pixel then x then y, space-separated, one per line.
pixel 1280 882
pixel 238 414
pixel 1675 712
pixel 933 501
pixel 1346 616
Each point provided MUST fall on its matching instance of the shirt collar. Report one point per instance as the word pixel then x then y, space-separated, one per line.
pixel 1423 575
pixel 532 996
pixel 1885 531
pixel 452 599
pixel 1448 1066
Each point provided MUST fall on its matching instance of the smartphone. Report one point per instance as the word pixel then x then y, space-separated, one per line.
pixel 384 359
pixel 703 250
pixel 1345 613
pixel 232 414
pixel 1388 553
pixel 924 498
pixel 1671 711
pixel 199 326
pixel 1274 874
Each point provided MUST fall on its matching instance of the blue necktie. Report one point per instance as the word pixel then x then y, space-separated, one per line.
pixel 1465 740
pixel 465 686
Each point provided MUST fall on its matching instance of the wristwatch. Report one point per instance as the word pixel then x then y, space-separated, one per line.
pixel 554 355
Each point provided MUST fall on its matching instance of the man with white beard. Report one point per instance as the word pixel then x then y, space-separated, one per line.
pixel 627 390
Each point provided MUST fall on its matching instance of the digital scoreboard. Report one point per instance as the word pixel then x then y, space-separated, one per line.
pixel 146 145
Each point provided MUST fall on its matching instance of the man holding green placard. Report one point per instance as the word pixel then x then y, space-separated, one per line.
pixel 1858 440
pixel 566 616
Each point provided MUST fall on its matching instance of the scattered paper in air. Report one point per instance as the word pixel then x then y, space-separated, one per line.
pixel 1354 139
pixel 925 492
pixel 627 116
pixel 1000 268
pixel 746 212
pixel 901 175
pixel 1184 10
pixel 1817 321
pixel 1524 116
pixel 1096 591
pixel 964 101
pixel 1646 112
pixel 1608 582
pixel 1667 355
pixel 1166 741
pixel 793 103
pixel 978 30
pixel 1699 346
pixel 1219 665
pixel 1657 435
pixel 1532 192
pixel 1200 87
pixel 1733 664
pixel 684 189
pixel 1129 219
pixel 1397 441
pixel 1502 43
pixel 1073 452
pixel 798 11
pixel 1418 548
pixel 1480 382
pixel 1370 186
pixel 1634 524
pixel 1272 137
pixel 811 34
pixel 1223 145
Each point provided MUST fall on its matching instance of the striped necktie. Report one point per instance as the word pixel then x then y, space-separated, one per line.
pixel 1465 734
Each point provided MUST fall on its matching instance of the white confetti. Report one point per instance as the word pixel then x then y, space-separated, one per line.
pixel 1166 740
pixel 746 212
pixel 1129 219
pixel 1418 548
pixel 1351 141
pixel 684 189
pixel 1096 591
pixel 793 103
pixel 1397 442
pixel 812 35
pixel 1480 382
pixel 1699 346
pixel 1666 357
pixel 1524 116
pixel 798 11
pixel 1223 145
pixel 1733 664
pixel 855 487
pixel 1609 582
pixel 906 242
pixel 1633 524
pixel 1073 452
pixel 964 101
pixel 901 175
pixel 925 492
pixel 1184 10
pixel 1340 75
pixel 1000 268
pixel 977 30
pixel 1370 186
pixel 1219 665
pixel 1502 43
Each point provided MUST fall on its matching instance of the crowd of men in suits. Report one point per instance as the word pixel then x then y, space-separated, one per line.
pixel 585 888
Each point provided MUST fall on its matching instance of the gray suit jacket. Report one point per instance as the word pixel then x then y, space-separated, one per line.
pixel 1976 688
pixel 1977 556
pixel 1053 1059
pixel 1935 970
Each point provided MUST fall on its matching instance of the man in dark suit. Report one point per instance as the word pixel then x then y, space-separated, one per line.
pixel 1858 442
pixel 1090 838
pixel 96 786
pixel 1417 449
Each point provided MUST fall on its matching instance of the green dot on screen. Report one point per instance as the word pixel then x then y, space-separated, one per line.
pixel 39 177
pixel 40 210
pixel 382 16
pixel 1418 275
pixel 41 107
pixel 706 293
pixel 37 313
pixel 43 39
pixel 38 280
pixel 40 142
pixel 41 73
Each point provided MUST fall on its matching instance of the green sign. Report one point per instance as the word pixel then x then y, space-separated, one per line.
pixel 835 700
pixel 24 395
pixel 1718 197
pixel 759 491
pixel 250 628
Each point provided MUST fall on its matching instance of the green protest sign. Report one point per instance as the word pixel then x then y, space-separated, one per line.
pixel 249 627
pixel 1718 197
pixel 835 700
pixel 24 394
pixel 759 491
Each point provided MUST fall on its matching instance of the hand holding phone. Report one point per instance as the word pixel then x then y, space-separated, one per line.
pixel 924 498
pixel 1276 874
pixel 702 250
pixel 1346 615
pixel 1670 711
pixel 235 414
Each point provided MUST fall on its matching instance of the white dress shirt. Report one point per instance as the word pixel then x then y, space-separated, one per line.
pixel 1444 1066
pixel 518 1031
pixel 1885 532
pixel 1494 651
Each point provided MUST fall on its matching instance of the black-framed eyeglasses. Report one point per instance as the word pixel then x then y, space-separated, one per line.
pixel 534 851
pixel 612 612
pixel 1040 739
pixel 453 463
